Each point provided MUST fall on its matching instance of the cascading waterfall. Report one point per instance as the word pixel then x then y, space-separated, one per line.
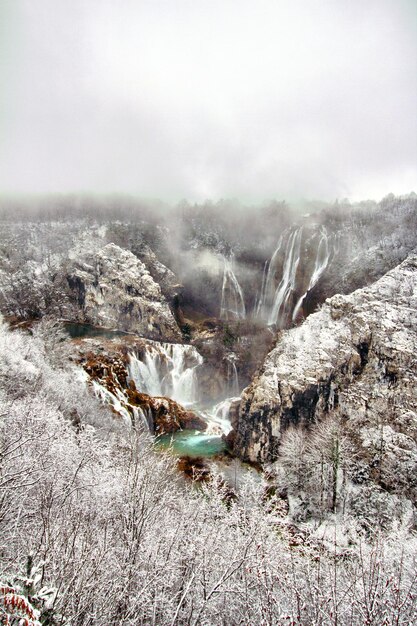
pixel 142 418
pixel 115 400
pixel 232 303
pixel 118 401
pixel 287 284
pixel 167 370
pixel 321 263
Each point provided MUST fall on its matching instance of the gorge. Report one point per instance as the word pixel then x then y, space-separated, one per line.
pixel 276 366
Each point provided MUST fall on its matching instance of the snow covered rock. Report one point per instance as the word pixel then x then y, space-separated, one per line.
pixel 159 272
pixel 355 357
pixel 113 288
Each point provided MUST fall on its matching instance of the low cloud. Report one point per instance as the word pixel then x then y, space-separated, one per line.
pixel 180 99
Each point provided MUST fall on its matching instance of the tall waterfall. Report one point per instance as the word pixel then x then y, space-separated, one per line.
pixel 287 284
pixel 322 261
pixel 232 375
pixel 275 303
pixel 264 303
pixel 232 303
pixel 260 301
pixel 166 370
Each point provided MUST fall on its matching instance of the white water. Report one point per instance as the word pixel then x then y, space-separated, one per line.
pixel 167 370
pixel 260 302
pixel 232 375
pixel 170 370
pixel 287 284
pixel 274 303
pixel 268 289
pixel 118 401
pixel 217 418
pixel 322 261
pixel 232 303
pixel 107 397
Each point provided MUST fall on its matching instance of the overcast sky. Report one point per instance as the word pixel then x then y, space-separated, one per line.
pixel 196 99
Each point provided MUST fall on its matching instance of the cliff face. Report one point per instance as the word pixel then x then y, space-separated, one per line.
pixel 113 288
pixel 354 358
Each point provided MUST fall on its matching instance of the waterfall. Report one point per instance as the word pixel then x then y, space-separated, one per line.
pixel 142 418
pixel 287 284
pixel 269 286
pixel 322 261
pixel 232 303
pixel 166 370
pixel 119 401
pixel 218 418
pixel 232 375
pixel 112 399
pixel 274 305
pixel 261 302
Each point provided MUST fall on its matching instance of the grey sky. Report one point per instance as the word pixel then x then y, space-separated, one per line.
pixel 209 98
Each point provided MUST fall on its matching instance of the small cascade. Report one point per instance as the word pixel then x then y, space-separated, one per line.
pixel 166 370
pixel 321 263
pixel 232 375
pixel 141 417
pixel 119 403
pixel 232 305
pixel 287 284
pixel 218 418
pixel 113 399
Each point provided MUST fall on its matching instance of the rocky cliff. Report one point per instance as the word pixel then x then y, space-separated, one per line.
pixel 113 288
pixel 354 358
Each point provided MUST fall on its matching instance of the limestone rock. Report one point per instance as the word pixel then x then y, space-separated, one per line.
pixel 114 289
pixel 159 272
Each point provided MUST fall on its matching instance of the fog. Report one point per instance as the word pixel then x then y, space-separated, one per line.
pixel 199 99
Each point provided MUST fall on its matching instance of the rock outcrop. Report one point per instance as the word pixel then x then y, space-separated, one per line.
pixel 355 357
pixel 114 289
pixel 161 274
